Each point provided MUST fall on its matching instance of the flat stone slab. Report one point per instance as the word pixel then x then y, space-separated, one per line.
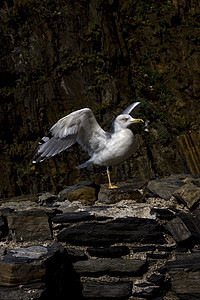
pixel 70 217
pixel 31 197
pixel 164 188
pixel 185 229
pixel 107 290
pixel 113 251
pixel 113 267
pixel 30 225
pixel 128 230
pixel 31 291
pixel 185 273
pixel 26 265
pixel 189 194
pixel 111 196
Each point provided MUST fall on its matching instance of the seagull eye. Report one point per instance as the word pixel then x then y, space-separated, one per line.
pixel 125 119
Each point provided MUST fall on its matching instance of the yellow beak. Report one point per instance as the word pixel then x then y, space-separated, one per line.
pixel 138 121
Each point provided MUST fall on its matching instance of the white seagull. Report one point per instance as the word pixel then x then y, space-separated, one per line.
pixel 104 148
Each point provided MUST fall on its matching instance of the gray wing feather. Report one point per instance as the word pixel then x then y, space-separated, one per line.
pixel 130 108
pixel 79 126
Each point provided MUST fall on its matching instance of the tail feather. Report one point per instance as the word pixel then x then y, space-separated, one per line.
pixel 88 163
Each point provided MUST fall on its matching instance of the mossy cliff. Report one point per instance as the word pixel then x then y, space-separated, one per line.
pixel 59 56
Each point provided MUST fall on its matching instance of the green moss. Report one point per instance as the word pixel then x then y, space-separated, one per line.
pixel 94 31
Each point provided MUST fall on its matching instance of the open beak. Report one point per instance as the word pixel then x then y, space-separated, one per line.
pixel 138 121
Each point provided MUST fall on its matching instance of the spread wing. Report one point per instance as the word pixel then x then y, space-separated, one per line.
pixel 130 108
pixel 79 126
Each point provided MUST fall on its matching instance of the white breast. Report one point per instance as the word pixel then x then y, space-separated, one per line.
pixel 118 148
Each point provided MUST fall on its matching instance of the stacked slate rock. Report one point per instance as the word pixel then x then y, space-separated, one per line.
pixel 139 241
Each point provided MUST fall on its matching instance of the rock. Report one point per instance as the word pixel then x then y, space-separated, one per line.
pixel 189 194
pixel 113 251
pixel 158 255
pixel 31 291
pixel 86 195
pixel 107 290
pixel 26 265
pixel 163 213
pixel 178 230
pixel 127 230
pixel 19 203
pixel 85 191
pixel 72 217
pixel 148 292
pixel 67 206
pixel 76 254
pixel 3 227
pixel 157 279
pixel 122 209
pixel 163 188
pixel 185 272
pixel 31 197
pixel 46 198
pixel 113 267
pixel 185 229
pixel 38 270
pixel 166 248
pixel 30 225
pixel 143 248
pixel 110 196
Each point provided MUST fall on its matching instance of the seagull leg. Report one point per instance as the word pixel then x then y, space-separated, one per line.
pixel 109 181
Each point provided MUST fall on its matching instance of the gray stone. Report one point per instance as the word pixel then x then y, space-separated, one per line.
pixel 107 290
pixel 71 217
pixel 178 230
pixel 23 198
pixel 113 251
pixel 189 194
pixel 113 267
pixel 123 230
pixel 85 195
pixel 46 198
pixel 110 196
pixel 185 273
pixel 76 254
pixel 26 265
pixel 30 225
pixel 185 229
pixel 29 292
pixel 164 188
pixel 84 191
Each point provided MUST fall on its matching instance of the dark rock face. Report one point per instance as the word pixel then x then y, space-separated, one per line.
pixel 146 248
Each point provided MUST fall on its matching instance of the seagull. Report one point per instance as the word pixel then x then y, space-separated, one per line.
pixel 104 148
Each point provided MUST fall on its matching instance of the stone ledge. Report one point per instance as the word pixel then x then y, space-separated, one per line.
pixel 125 250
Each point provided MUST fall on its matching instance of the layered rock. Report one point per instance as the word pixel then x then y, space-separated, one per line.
pixel 147 247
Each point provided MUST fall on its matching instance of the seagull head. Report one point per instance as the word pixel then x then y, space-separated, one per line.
pixel 124 121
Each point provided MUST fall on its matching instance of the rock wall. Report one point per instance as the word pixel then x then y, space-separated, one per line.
pixel 58 56
pixel 140 241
